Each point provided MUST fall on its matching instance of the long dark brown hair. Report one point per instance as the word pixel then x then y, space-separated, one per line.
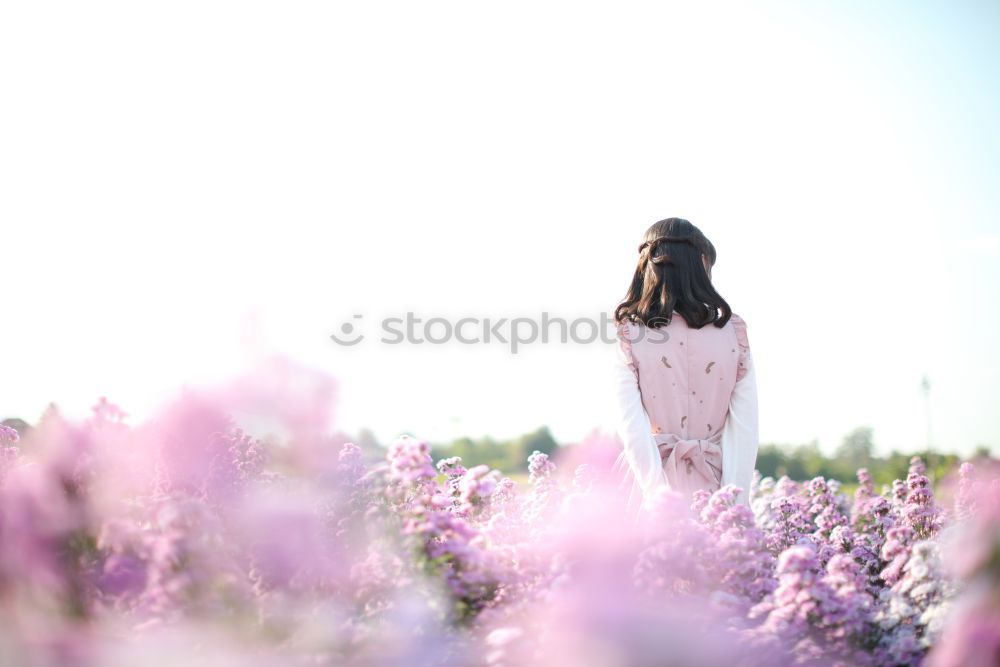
pixel 671 276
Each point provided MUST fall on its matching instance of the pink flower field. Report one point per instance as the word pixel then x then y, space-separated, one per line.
pixel 183 540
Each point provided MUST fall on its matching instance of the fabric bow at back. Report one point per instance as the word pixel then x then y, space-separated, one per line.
pixel 690 465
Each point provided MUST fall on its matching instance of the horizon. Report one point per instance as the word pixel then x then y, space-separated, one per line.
pixel 842 165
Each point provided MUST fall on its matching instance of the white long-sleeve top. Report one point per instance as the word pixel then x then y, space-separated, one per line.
pixel 740 439
pixel 639 449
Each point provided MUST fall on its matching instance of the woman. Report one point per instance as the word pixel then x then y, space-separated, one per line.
pixel 686 385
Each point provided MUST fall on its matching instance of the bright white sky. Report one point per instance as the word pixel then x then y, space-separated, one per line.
pixel 171 172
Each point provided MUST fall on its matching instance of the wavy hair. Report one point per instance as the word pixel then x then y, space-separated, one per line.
pixel 672 276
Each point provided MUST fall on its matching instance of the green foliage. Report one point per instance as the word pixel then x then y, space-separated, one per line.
pixel 857 448
pixel 506 455
pixel 804 462
pixel 800 462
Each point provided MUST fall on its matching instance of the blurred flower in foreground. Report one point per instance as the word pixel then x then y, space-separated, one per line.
pixel 971 635
pixel 189 539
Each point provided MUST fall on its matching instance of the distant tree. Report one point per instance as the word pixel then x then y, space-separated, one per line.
pixel 505 455
pixel 22 427
pixel 368 443
pixel 857 448
pixel 771 458
pixel 540 439
pixel 805 462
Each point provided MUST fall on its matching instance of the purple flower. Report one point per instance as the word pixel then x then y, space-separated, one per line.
pixel 8 436
pixel 540 468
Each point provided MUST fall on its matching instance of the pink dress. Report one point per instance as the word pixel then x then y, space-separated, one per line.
pixel 688 406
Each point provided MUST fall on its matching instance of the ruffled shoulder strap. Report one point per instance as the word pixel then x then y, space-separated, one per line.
pixel 740 326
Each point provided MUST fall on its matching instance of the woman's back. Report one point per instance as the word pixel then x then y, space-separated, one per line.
pixel 686 376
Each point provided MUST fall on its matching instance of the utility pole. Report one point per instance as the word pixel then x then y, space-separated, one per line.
pixel 925 388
